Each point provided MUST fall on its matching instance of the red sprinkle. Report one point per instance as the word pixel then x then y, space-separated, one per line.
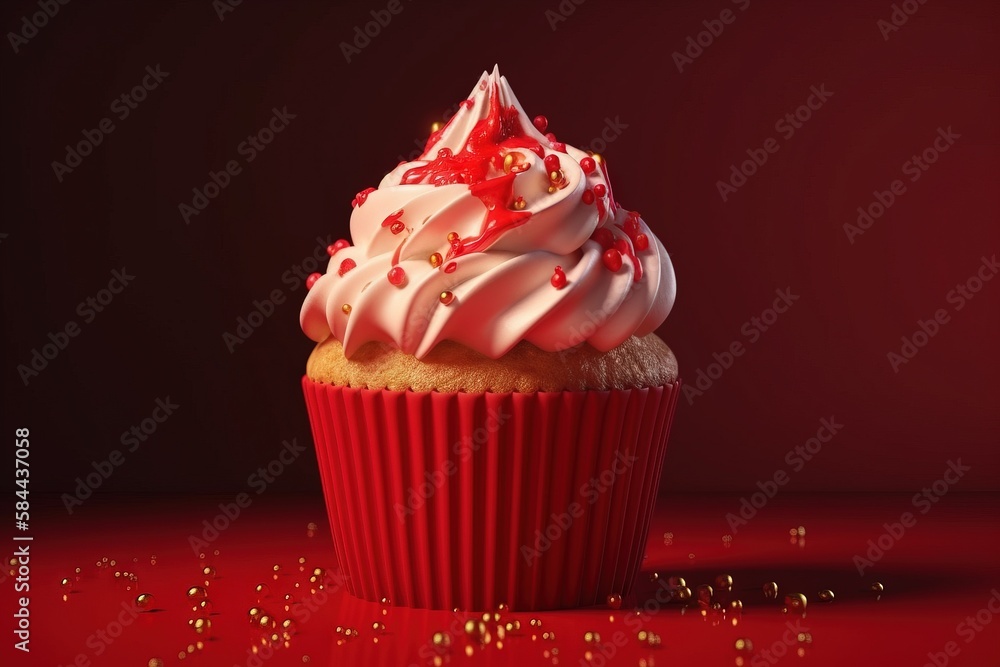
pixel 631 226
pixel 450 267
pixel 612 259
pixel 444 153
pixel 392 218
pixel 558 279
pixel 541 123
pixel 346 266
pixel 337 246
pixel 552 163
pixel 397 276
pixel 588 197
pixel 397 227
pixel 641 242
pixel 361 197
pixel 550 136
pixel 311 280
pixel 559 146
pixel 600 190
pixel 588 165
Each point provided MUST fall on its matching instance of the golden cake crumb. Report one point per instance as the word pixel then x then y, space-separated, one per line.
pixel 638 362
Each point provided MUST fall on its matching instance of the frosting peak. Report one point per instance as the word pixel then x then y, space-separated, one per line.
pixel 496 234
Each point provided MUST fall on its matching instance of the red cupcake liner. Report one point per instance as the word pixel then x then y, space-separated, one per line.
pixel 444 500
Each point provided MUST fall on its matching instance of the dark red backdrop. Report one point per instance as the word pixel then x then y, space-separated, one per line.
pixel 680 132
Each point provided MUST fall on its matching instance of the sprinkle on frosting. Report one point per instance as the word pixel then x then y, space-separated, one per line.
pixel 497 192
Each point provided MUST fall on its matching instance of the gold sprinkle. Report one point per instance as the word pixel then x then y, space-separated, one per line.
pixel 446 297
pixel 795 602
pixel 508 161
pixel 724 582
pixel 435 259
pixel 825 595
pixel 346 308
pixel 592 637
pixel 452 237
pixel 743 645
pixel 877 587
pixel 197 593
pixel 771 590
pixel 598 158
pixel 441 639
pixel 436 127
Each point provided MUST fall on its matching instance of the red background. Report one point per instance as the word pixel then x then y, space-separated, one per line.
pixel 825 357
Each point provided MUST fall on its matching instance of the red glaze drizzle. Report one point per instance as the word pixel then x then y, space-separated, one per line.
pixel 361 197
pixel 450 267
pixel 495 194
pixel 483 152
pixel 501 129
pixel 612 206
pixel 625 248
pixel 639 242
pixel 604 236
pixel 392 217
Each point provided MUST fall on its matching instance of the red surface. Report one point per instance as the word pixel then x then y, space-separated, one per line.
pixel 425 511
pixel 938 573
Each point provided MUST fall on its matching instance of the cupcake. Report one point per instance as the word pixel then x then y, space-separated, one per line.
pixel 489 403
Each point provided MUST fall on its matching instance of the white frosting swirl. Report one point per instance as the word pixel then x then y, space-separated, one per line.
pixel 501 270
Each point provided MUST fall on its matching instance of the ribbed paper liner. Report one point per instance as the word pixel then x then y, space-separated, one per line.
pixel 440 500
